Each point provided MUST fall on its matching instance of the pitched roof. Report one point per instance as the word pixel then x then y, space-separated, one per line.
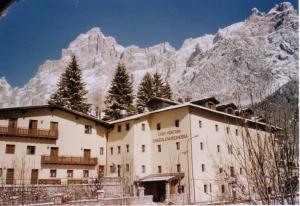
pixel 52 107
pixel 202 101
pixel 223 106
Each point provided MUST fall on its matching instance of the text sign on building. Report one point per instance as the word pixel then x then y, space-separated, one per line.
pixel 170 135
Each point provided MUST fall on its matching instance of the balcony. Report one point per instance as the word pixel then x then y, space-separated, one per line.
pixel 69 160
pixel 28 133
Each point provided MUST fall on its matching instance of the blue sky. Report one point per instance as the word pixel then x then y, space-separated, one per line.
pixel 36 30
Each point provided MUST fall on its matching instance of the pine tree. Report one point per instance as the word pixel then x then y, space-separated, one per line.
pixel 71 89
pixel 145 93
pixel 167 91
pixel 158 85
pixel 120 95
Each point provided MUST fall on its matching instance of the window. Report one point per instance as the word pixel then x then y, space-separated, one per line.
pixel 119 149
pixel 127 126
pixel 241 171
pixel 227 130
pixel 218 148
pixel 30 150
pixel 101 150
pixel 230 149
pixel 143 127
pixel 111 168
pixel 205 188
pixel 52 173
pixel 127 167
pixel 211 105
pixel 201 145
pixel 88 129
pixel 69 173
pixel 217 127
pixel 210 188
pixel 143 168
pixel 176 123
pixel 203 167
pixel 1 172
pixel 232 171
pixel 119 128
pixel 236 132
pixel 127 148
pixel 159 169
pixel 200 124
pixel 159 148
pixel 85 173
pixel 220 170
pixel 111 150
pixel 178 168
pixel 143 148
pixel 10 149
pixel 180 189
pixel 158 126
pixel 223 188
pixel 178 145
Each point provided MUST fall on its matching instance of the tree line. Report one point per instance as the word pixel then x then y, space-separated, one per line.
pixel 71 92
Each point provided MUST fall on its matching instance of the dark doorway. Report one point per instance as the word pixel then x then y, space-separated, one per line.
pixel 157 189
pixel 34 176
pixel 10 176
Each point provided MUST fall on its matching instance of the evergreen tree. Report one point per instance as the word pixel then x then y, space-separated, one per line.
pixel 71 89
pixel 120 95
pixel 167 91
pixel 145 93
pixel 158 85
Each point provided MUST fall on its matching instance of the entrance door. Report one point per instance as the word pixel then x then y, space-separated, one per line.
pixel 54 152
pixel 34 176
pixel 10 176
pixel 86 153
pixel 156 189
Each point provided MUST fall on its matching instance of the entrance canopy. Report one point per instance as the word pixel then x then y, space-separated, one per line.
pixel 161 177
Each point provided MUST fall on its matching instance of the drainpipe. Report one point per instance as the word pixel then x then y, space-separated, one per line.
pixel 106 150
pixel 187 148
pixel 189 167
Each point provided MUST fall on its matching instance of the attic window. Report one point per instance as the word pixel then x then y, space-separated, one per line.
pixel 229 110
pixel 210 105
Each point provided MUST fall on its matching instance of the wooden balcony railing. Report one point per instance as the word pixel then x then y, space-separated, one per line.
pixel 69 160
pixel 29 133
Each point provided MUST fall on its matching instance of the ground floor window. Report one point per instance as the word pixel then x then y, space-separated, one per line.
pixel 52 173
pixel 85 173
pixel 70 173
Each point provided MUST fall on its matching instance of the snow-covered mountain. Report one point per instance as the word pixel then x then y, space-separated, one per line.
pixel 254 57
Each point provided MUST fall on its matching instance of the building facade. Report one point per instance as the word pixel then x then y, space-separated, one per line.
pixel 186 150
pixel 50 145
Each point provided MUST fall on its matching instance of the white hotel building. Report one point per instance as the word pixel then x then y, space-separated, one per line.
pixel 181 150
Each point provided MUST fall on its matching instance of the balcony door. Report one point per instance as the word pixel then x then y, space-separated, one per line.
pixel 53 126
pixel 12 125
pixel 10 176
pixel 54 152
pixel 33 126
pixel 86 153
pixel 34 176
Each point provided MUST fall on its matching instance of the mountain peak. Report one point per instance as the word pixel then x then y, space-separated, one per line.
pixel 284 6
pixel 258 52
